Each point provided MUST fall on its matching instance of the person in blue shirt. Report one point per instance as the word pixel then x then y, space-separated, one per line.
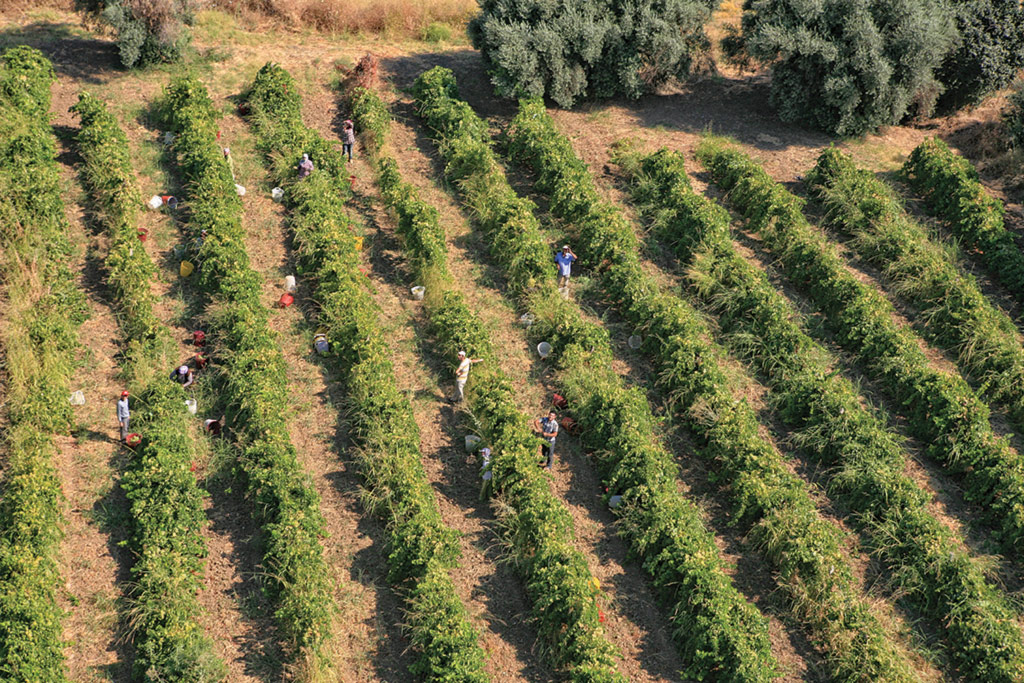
pixel 564 260
pixel 123 414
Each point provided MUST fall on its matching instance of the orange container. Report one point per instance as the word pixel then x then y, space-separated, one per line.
pixel 286 300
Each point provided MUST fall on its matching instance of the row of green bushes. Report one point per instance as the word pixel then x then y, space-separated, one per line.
pixel 941 409
pixel 951 189
pixel 165 502
pixel 862 459
pixel 44 309
pixel 954 312
pixel 769 501
pixel 536 525
pixel 422 550
pixel 255 386
pixel 720 635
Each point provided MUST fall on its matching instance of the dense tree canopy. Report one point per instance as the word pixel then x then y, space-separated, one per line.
pixel 148 31
pixel 848 66
pixel 571 49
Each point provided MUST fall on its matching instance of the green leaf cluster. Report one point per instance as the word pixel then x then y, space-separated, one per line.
pixel 940 408
pixel 283 499
pixel 40 340
pixel 864 462
pixel 719 634
pixel 768 499
pixel 422 550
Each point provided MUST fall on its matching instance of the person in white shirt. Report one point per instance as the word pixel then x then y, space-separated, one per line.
pixel 461 375
pixel 123 414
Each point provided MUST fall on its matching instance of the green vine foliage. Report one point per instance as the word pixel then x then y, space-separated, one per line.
pixel 283 500
pixel 720 635
pixel 952 191
pixel 165 501
pixel 147 32
pixel 422 550
pixel 768 500
pixel 953 311
pixel 941 409
pixel 40 339
pixel 927 563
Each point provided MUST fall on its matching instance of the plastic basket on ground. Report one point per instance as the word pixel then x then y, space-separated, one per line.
pixel 155 202
pixel 277 194
pixel 321 344
pixel 418 292
pixel 543 349
pixel 472 440
pixel 359 242
pixel 286 300
pixel 239 190
pixel 191 406
pixel 133 440
pixel 570 426
pixel 635 341
pixel 527 319
pixel 289 284
pixel 170 200
pixel 77 398
pixel 186 268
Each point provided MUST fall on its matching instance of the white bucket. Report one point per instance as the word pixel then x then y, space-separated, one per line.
pixel 543 349
pixel 635 341
pixel 77 398
pixel 418 292
pixel 289 284
pixel 240 190
pixel 191 405
pixel 277 194
pixel 155 202
pixel 471 441
pixel 168 137
pixel 527 319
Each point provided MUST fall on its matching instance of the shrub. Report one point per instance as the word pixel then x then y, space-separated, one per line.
pixel 148 31
pixel 847 67
pixel 437 32
pixel 989 53
pixel 574 49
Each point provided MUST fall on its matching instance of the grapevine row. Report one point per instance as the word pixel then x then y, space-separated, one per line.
pixel 865 461
pixel 255 386
pixel 40 336
pixel 537 526
pixel 165 502
pixel 718 633
pixel 422 550
pixel 955 314
pixel 770 501
pixel 952 191
pixel 941 409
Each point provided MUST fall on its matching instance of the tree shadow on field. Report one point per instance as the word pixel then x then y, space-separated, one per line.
pixel 70 49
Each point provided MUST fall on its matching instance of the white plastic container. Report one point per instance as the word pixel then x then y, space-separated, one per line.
pixel 240 190
pixel 289 284
pixel 155 202
pixel 418 292
pixel 77 398
pixel 191 405
pixel 543 349
pixel 277 194
pixel 471 441
pixel 635 341
pixel 527 319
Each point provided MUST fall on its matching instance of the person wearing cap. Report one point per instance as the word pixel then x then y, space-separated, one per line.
pixel 123 414
pixel 305 166
pixel 462 374
pixel 184 375
pixel 564 260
